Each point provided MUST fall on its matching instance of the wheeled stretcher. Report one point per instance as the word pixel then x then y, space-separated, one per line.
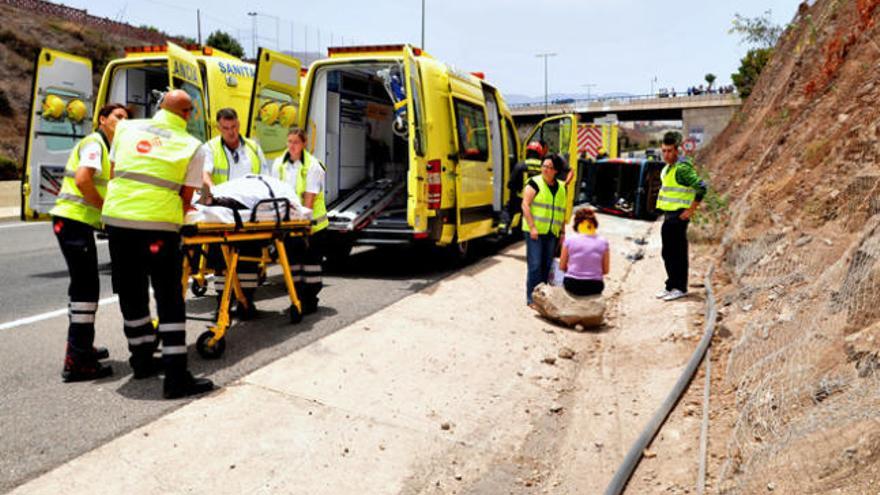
pixel 196 236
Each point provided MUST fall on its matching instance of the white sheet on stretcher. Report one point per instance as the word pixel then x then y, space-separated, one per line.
pixel 249 191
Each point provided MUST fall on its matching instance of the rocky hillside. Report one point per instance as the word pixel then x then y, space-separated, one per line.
pixel 22 34
pixel 798 273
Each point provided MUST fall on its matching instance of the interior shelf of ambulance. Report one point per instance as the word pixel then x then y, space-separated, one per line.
pixel 351 115
pixel 139 87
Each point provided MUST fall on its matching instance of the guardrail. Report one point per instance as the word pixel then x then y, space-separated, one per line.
pixel 627 99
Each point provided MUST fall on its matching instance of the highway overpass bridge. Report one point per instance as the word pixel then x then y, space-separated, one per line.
pixel 703 116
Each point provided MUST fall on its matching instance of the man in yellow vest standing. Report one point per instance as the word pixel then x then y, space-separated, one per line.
pixel 680 195
pixel 231 156
pixel 307 175
pixel 158 166
pixel 76 215
pixel 543 208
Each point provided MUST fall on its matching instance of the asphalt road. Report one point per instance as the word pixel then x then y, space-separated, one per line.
pixel 44 422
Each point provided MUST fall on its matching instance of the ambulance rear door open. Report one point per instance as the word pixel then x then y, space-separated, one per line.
pixel 417 185
pixel 275 101
pixel 560 135
pixel 184 73
pixel 60 115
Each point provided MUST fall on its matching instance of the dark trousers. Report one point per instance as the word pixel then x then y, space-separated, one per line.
pixel 675 250
pixel 77 242
pixel 578 287
pixel 141 258
pixel 306 257
pixel 539 258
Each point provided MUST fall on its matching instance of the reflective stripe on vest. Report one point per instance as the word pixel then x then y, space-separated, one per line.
pixel 220 173
pixel 152 156
pixel 71 203
pixel 673 196
pixel 319 207
pixel 548 210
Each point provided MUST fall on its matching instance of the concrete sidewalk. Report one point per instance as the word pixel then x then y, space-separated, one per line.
pixel 10 199
pixel 430 395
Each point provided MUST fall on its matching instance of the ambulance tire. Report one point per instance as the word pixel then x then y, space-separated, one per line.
pixel 210 352
pixel 459 253
pixel 338 251
pixel 198 289
pixel 296 315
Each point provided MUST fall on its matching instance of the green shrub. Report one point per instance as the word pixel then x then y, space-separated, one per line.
pixel 9 169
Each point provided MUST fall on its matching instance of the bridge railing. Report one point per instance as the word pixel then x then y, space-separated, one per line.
pixel 585 102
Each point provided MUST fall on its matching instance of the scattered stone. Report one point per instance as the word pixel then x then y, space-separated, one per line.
pixel 555 304
pixel 640 241
pixel 771 487
pixel 556 408
pixel 345 451
pixel 566 353
pixel 649 454
pixel 366 329
pixel 446 426
pixel 803 241
pixel 549 360
pixel 828 242
pixel 548 330
pixel 232 466
pixel 579 327
pixel 598 445
pixel 723 332
pixel 458 476
pixel 636 255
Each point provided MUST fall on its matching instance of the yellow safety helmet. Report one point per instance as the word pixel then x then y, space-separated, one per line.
pixel 288 116
pixel 269 113
pixel 53 107
pixel 76 110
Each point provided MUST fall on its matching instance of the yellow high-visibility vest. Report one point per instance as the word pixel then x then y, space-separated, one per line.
pixel 71 203
pixel 548 210
pixel 319 208
pixel 221 162
pixel 673 196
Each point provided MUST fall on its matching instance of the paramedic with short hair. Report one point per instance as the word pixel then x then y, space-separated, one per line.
pixel 306 174
pixel 231 156
pixel 76 215
pixel 158 166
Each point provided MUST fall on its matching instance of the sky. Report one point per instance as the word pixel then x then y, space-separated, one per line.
pixel 601 46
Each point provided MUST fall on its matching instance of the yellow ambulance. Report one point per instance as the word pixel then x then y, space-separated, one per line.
pixel 414 149
pixel 64 108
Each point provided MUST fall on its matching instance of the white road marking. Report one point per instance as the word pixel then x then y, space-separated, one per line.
pixel 50 314
pixel 23 224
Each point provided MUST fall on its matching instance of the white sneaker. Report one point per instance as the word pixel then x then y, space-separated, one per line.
pixel 674 294
pixel 663 293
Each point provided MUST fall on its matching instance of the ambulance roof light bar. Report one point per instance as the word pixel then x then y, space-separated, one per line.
pixel 334 50
pixel 207 50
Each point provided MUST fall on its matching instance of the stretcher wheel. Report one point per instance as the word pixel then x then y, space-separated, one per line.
pixel 296 315
pixel 210 352
pixel 198 289
pixel 261 278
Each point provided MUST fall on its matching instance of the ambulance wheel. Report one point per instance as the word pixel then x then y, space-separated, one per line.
pixel 459 252
pixel 198 289
pixel 210 352
pixel 296 315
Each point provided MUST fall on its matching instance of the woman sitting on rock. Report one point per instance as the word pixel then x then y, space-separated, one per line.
pixel 585 256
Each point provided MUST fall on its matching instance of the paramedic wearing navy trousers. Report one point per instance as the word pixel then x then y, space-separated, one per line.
pixel 76 215
pixel 306 174
pixel 232 156
pixel 158 166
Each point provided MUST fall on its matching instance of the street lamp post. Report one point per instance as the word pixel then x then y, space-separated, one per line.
pixel 588 86
pixel 423 25
pixel 652 85
pixel 545 56
pixel 253 33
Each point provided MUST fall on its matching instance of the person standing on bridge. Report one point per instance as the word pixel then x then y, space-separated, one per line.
pixel 306 174
pixel 231 156
pixel 76 215
pixel 158 166
pixel 543 207
pixel 680 194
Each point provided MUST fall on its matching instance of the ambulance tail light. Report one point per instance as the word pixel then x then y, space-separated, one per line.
pixel 420 235
pixel 479 75
pixel 435 185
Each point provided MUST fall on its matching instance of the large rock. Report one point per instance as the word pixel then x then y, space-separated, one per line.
pixel 555 304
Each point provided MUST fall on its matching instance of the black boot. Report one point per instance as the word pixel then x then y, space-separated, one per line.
pixel 144 365
pixel 81 366
pixel 183 384
pixel 100 353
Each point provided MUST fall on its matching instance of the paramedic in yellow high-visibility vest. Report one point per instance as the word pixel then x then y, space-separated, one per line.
pixel 157 167
pixel 681 191
pixel 232 156
pixel 76 215
pixel 543 208
pixel 307 175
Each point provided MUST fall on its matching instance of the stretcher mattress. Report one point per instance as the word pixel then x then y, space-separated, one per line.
pixel 262 199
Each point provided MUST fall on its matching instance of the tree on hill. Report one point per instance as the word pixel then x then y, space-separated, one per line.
pixel 762 34
pixel 223 41
pixel 710 78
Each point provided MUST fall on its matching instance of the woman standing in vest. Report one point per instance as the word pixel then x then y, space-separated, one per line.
pixel 585 256
pixel 76 215
pixel 307 175
pixel 543 207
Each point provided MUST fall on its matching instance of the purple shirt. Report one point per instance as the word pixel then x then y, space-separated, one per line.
pixel 585 253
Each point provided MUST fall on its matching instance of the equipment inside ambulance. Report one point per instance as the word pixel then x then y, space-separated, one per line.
pixel 63 104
